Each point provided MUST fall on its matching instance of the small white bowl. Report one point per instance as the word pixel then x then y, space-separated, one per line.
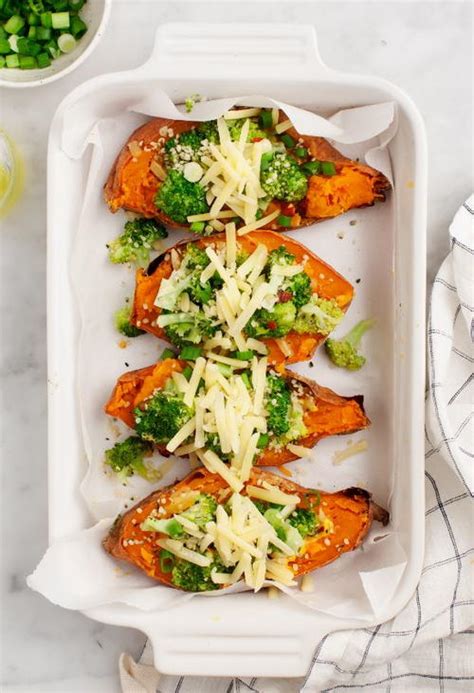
pixel 96 15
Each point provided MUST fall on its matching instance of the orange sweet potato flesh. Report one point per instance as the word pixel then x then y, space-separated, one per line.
pixel 325 281
pixel 352 512
pixel 132 185
pixel 325 412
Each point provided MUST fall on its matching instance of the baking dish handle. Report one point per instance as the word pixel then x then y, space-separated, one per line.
pixel 249 51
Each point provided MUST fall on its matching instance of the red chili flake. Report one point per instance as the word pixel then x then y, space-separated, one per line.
pixel 256 139
pixel 288 209
pixel 284 296
pixel 271 325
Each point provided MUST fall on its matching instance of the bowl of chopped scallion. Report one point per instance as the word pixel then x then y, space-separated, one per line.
pixel 43 40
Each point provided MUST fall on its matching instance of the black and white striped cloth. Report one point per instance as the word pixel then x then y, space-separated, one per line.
pixel 429 645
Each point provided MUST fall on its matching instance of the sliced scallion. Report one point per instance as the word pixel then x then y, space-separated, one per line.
pixel 288 141
pixel 14 24
pixel 60 20
pixel 266 119
pixel 190 353
pixel 283 220
pixel 12 60
pixel 328 168
pixel 27 62
pixel 66 43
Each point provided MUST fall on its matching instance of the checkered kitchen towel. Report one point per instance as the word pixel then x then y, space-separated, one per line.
pixel 429 645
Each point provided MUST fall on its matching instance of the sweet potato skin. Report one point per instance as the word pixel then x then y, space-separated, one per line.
pixel 325 281
pixel 351 510
pixel 331 414
pixel 132 186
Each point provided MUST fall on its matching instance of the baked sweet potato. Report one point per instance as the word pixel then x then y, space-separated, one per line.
pixel 325 282
pixel 140 168
pixel 344 519
pixel 324 412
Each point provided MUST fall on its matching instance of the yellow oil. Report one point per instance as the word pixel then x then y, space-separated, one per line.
pixel 11 174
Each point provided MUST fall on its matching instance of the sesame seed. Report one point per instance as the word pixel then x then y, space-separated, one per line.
pixel 139 511
pixel 346 541
pixel 327 542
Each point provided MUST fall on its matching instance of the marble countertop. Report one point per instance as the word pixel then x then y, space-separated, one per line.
pixel 424 47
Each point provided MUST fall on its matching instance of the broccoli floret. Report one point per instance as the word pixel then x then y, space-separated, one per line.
pixel 127 458
pixel 299 286
pixel 202 511
pixel 305 521
pixel 123 324
pixel 195 257
pixel 297 428
pixel 344 352
pixel 134 244
pixel 319 316
pixel 179 198
pixel 192 332
pixel 235 128
pixel 193 578
pixel 213 443
pixel 278 405
pixel 162 417
pixel 209 131
pixel 272 323
pixel 280 256
pixel 188 150
pixel 199 293
pixel 282 178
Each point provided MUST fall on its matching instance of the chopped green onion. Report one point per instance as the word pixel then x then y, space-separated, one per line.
pixel 197 226
pixel 328 168
pixel 258 214
pixel 190 353
pixel 167 354
pixel 2 61
pixel 288 141
pixel 43 60
pixel 243 355
pixel 225 369
pixel 188 371
pixel 43 34
pixel 78 28
pixel 53 49
pixel 46 20
pixel 12 60
pixel 263 441
pixel 67 43
pixel 312 168
pixel 32 32
pixel 60 5
pixel 167 561
pixel 282 220
pixel 27 47
pixel 76 5
pixel 174 529
pixel 14 24
pixel 3 33
pixel 266 119
pixel 33 19
pixel 265 160
pixel 13 42
pixel 4 46
pixel 246 378
pixel 27 62
pixel 60 20
pixel 301 152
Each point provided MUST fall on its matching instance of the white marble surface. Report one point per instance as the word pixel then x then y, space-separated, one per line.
pixel 422 46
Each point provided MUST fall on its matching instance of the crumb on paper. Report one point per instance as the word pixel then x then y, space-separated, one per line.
pixel 191 101
pixel 410 184
pixel 115 430
pixel 353 222
pixel 122 344
pixel 340 234
pixel 353 449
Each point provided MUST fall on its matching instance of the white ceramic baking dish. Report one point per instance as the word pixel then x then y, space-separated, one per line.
pixel 247 634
